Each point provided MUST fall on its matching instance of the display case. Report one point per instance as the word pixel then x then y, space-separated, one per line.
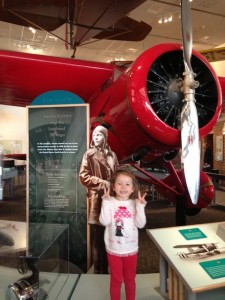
pixel 34 260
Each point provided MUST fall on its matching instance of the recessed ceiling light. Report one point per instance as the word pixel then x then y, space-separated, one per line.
pixel 32 29
pixel 131 50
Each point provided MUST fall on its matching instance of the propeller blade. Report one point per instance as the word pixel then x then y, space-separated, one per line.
pixel 191 149
pixel 189 116
pixel 186 33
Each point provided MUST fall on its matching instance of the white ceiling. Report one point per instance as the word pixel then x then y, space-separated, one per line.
pixel 208 22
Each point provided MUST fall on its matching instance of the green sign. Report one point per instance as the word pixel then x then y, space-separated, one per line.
pixel 214 268
pixel 192 234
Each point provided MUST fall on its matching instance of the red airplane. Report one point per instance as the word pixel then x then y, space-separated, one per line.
pixel 141 106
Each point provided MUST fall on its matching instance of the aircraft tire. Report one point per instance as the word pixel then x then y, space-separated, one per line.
pixel 192 211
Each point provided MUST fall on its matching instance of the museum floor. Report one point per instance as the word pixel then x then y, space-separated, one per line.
pixel 160 213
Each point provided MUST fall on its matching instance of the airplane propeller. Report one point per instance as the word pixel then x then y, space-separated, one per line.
pixel 189 116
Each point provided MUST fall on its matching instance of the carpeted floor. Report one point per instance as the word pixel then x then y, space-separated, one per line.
pixel 14 208
pixel 159 214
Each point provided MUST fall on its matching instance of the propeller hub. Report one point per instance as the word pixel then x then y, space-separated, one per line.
pixel 174 93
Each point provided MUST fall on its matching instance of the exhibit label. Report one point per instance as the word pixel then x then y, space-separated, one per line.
pixel 192 234
pixel 214 268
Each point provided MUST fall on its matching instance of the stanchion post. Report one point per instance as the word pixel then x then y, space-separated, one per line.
pixel 1 168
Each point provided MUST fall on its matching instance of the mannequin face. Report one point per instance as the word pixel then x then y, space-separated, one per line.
pixel 98 138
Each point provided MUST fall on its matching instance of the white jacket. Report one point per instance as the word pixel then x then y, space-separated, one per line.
pixel 122 220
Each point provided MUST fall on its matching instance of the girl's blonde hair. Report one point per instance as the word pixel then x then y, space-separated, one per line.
pixel 130 174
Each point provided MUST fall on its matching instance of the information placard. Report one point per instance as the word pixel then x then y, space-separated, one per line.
pixel 214 268
pixel 192 233
pixel 58 137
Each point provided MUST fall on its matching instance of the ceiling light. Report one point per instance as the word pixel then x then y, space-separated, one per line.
pixel 165 19
pixel 119 58
pixel 189 1
pixel 131 50
pixel 53 37
pixel 32 29
pixel 160 21
pixel 223 130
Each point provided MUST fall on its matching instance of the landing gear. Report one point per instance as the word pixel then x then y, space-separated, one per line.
pixel 180 211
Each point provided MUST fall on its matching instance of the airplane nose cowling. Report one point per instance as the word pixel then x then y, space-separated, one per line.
pixel 155 92
pixel 142 107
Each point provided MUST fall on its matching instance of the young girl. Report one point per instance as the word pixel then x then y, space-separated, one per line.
pixel 122 215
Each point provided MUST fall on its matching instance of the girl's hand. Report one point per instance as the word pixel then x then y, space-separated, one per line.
pixel 141 199
pixel 106 184
pixel 106 195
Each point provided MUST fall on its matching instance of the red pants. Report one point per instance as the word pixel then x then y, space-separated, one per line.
pixel 122 269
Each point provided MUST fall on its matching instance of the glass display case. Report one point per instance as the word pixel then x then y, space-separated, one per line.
pixel 34 260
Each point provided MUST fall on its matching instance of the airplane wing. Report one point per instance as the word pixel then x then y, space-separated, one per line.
pixel 24 76
pixel 84 19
